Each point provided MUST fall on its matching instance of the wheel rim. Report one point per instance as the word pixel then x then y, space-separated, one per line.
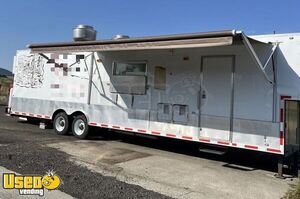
pixel 60 123
pixel 79 127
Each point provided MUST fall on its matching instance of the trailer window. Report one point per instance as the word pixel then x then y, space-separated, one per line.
pixel 129 69
pixel 129 78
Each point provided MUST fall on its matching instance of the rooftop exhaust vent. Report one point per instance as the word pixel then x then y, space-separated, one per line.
pixel 121 37
pixel 84 33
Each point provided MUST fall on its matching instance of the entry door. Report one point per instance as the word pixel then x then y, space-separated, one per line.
pixel 216 97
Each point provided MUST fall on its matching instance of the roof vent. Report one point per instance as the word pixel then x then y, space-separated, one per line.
pixel 121 37
pixel 84 33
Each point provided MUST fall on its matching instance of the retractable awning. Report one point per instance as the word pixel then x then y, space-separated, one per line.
pixel 194 40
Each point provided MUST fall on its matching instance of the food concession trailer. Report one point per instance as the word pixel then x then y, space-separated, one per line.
pixel 219 88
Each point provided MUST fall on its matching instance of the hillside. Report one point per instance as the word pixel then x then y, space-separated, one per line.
pixel 4 72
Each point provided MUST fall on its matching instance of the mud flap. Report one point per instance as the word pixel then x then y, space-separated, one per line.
pixel 7 110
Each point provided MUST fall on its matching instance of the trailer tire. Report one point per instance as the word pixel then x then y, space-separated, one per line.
pixel 80 127
pixel 61 123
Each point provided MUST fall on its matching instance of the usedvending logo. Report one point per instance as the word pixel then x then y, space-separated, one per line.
pixel 31 184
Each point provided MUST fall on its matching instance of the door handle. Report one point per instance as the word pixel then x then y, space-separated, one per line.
pixel 203 94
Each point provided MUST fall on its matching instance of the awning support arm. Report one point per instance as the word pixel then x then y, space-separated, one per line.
pixel 272 53
pixel 261 66
pixel 91 78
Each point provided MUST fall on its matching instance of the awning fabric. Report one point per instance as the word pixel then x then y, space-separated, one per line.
pixel 186 43
pixel 194 40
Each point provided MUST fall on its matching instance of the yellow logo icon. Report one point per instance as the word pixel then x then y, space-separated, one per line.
pixel 51 181
pixel 31 184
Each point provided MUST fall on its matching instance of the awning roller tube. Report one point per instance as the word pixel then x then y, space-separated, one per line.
pixel 174 44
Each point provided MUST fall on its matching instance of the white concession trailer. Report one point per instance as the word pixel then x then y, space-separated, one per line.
pixel 220 88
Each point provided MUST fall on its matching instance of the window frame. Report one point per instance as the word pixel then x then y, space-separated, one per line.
pixel 114 63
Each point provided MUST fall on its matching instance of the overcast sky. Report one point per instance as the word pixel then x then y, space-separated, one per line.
pixel 35 21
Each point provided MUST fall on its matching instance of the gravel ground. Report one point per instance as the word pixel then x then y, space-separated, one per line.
pixel 22 150
pixel 79 182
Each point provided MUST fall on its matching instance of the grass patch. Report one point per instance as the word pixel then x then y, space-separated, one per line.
pixel 294 192
pixel 5 85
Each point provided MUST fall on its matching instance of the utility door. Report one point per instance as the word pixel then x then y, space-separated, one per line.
pixel 292 121
pixel 216 95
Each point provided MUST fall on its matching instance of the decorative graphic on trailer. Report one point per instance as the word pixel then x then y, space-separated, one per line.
pixel 30 71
